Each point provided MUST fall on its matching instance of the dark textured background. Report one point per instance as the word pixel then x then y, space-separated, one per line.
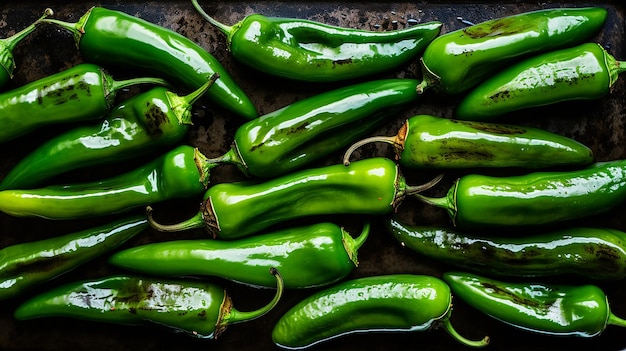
pixel 598 124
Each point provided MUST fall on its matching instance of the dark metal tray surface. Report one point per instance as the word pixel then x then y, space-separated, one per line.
pixel 598 124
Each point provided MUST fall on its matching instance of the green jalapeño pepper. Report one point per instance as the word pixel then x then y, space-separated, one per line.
pixel 81 93
pixel 551 309
pixel 229 210
pixel 312 51
pixel 113 37
pixel 458 60
pixel 26 265
pixel 7 45
pixel 295 135
pixel 584 72
pixel 592 253
pixel 175 174
pixel 199 309
pixel 136 126
pixel 399 303
pixel 426 141
pixel 307 256
pixel 535 198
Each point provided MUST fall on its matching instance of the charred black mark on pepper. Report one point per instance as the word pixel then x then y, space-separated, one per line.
pixel 518 299
pixel 155 118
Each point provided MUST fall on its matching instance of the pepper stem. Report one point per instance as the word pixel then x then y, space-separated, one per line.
pixel 192 223
pixel 352 245
pixel 117 85
pixel 414 190
pixel 615 320
pixel 390 140
pixel 471 343
pixel 181 105
pixel 221 26
pixel 232 316
pixel 76 28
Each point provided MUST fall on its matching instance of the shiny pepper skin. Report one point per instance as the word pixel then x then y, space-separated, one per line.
pixel 534 199
pixel 587 252
pixel 174 174
pixel 81 93
pixel 456 61
pixel 584 72
pixel 144 123
pixel 30 264
pixel 112 37
pixel 426 141
pixel 400 303
pixel 562 310
pixel 312 51
pixel 306 256
pixel 199 309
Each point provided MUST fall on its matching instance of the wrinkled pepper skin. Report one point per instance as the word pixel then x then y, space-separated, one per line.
pixel 309 256
pixel 399 303
pixel 30 264
pixel 429 142
pixel 316 52
pixel 112 37
pixel 231 210
pixel 560 310
pixel 175 174
pixel 591 253
pixel 84 92
pixel 291 137
pixel 7 46
pixel 534 199
pixel 456 61
pixel 584 72
pixel 146 122
pixel 199 309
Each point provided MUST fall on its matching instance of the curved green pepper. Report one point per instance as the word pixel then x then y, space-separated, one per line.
pixel 592 253
pixel 231 210
pixel 584 72
pixel 7 45
pixel 113 37
pixel 200 309
pixel 147 120
pixel 24 266
pixel 81 93
pixel 544 308
pixel 399 303
pixel 172 175
pixel 458 60
pixel 295 135
pixel 308 256
pixel 535 198
pixel 426 141
pixel 312 51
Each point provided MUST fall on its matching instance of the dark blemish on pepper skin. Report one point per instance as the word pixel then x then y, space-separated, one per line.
pixel 342 62
pixel 493 127
pixel 41 264
pixel 155 118
pixel 501 27
pixel 255 147
pixel 520 300
pixel 202 315
pixel 132 310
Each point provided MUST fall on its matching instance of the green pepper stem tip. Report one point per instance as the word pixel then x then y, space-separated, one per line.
pixel 12 41
pixel 234 316
pixel 615 320
pixel 358 144
pixel 471 343
pixel 195 95
pixel 221 26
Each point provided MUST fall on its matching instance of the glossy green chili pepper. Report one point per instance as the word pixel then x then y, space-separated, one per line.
pixel 113 37
pixel 535 198
pixel 426 141
pixel 24 266
pixel 231 210
pixel 81 93
pixel 458 60
pixel 592 253
pixel 308 256
pixel 175 174
pixel 584 72
pixel 295 135
pixel 7 45
pixel 400 303
pixel 200 309
pixel 312 51
pixel 136 126
pixel 552 309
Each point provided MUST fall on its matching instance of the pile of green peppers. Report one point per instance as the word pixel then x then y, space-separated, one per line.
pixel 113 210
